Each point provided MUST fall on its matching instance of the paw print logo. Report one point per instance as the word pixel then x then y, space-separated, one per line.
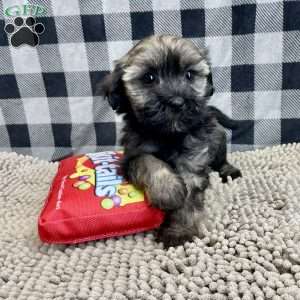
pixel 24 32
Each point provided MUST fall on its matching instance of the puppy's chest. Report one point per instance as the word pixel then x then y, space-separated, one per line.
pixel 190 150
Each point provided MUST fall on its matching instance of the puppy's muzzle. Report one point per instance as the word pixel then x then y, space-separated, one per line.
pixel 176 102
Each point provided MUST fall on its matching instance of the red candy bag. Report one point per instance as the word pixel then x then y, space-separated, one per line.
pixel 89 199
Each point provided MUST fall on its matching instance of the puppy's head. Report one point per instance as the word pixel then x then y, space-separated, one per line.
pixel 164 82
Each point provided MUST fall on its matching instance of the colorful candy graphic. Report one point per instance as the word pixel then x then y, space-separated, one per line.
pixel 125 193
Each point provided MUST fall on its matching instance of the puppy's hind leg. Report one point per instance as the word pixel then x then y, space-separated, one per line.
pixel 221 165
pixel 228 170
pixel 164 188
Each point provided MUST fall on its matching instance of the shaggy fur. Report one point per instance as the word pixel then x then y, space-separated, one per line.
pixel 172 139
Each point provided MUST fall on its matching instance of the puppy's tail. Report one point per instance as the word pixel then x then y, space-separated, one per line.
pixel 224 120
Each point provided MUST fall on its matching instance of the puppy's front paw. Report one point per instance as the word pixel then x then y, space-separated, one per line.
pixel 172 238
pixel 167 191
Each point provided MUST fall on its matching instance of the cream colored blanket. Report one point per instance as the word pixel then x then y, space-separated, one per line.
pixel 251 251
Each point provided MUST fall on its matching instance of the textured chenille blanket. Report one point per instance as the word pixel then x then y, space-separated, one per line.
pixel 251 249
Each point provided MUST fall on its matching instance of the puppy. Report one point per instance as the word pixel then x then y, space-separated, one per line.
pixel 171 137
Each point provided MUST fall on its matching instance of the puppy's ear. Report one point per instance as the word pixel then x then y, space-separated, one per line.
pixel 209 87
pixel 209 79
pixel 112 88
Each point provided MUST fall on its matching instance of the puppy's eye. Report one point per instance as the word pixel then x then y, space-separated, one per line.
pixel 189 75
pixel 149 78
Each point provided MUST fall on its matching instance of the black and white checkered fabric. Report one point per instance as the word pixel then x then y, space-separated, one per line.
pixel 48 106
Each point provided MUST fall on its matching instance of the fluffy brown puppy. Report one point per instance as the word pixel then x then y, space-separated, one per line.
pixel 172 139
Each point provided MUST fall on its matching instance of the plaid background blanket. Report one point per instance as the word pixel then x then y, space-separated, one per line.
pixel 48 102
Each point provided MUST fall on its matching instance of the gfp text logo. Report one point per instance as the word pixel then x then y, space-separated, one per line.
pixel 25 10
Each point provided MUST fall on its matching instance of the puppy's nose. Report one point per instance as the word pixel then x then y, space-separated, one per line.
pixel 177 101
